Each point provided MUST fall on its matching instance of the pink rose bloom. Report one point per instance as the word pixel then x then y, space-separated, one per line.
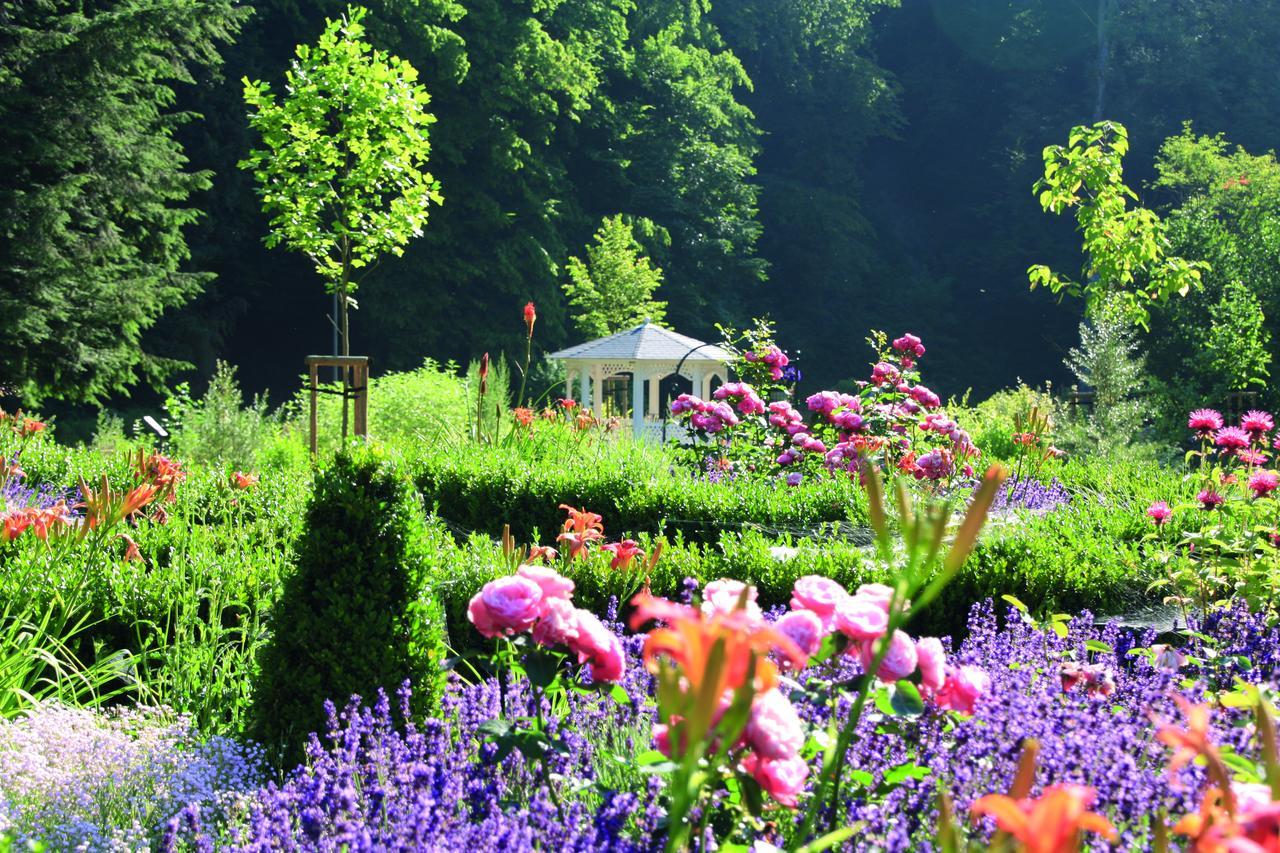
pixel 884 373
pixel 933 663
pixel 787 457
pixel 597 645
pixel 558 625
pixel 847 420
pixel 505 606
pixel 963 689
pixel 819 595
pixel 686 403
pixel 877 593
pixel 783 779
pixel 1251 796
pixel 925 397
pixel 731 389
pixel 774 729
pixel 909 343
pixel 860 619
pixel 1263 483
pixel 899 662
pixel 804 628
pixel 1204 421
pixel 722 596
pixel 824 402
pixel 552 583
pixel 1159 512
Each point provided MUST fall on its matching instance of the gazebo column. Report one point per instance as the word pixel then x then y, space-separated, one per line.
pixel 702 382
pixel 654 381
pixel 597 383
pixel 568 383
pixel 637 403
pixel 584 393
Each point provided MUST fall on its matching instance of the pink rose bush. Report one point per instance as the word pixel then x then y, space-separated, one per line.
pixel 893 419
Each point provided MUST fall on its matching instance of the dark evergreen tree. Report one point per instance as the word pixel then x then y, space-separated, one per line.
pixel 94 189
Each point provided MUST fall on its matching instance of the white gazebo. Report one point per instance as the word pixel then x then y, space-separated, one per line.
pixel 648 353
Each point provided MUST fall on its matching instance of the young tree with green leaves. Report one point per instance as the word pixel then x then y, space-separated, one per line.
pixel 342 174
pixel 1128 261
pixel 613 289
pixel 95 190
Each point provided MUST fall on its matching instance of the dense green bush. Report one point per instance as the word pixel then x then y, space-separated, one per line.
pixel 352 617
pixel 405 408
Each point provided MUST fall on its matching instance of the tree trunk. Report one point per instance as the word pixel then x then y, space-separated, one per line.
pixel 1100 70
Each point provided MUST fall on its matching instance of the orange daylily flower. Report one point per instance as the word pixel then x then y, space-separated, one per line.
pixel 580 521
pixel 1193 741
pixel 29 427
pixel 623 553
pixel 579 542
pixel 543 553
pixel 131 552
pixel 1052 823
pixel 137 498
pixel 523 416
pixel 690 636
pixel 15 522
pixel 241 480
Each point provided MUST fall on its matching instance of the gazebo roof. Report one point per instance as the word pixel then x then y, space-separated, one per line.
pixel 646 342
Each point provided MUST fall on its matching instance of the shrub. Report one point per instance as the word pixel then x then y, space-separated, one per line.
pixel 218 428
pixel 351 618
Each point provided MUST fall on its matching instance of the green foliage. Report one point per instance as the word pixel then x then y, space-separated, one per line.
pixel 991 422
pixel 218 429
pixel 342 173
pixel 95 188
pixel 405 408
pixel 613 289
pixel 351 618
pixel 1225 207
pixel 1128 264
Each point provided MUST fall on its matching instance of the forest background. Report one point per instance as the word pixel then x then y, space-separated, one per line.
pixel 839 165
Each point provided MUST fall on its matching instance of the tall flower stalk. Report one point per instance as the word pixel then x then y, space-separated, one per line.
pixel 927 570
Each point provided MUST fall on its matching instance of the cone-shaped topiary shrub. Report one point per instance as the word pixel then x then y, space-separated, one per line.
pixel 354 615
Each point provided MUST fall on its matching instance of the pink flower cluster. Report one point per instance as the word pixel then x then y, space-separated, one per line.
pixel 710 417
pixel 774 358
pixel 785 417
pixel 537 599
pixel 821 606
pixel 741 395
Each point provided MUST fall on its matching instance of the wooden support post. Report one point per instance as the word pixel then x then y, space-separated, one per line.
pixel 314 394
pixel 354 370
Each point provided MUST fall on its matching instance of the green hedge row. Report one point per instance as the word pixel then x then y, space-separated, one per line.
pixel 486 488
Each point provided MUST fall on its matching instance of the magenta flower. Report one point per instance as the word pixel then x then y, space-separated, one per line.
pixel 824 402
pixel 1263 483
pixel 1256 422
pixel 925 397
pixel 795 478
pixel 781 778
pixel 1204 421
pixel 804 628
pixel 933 663
pixel 1159 512
pixel 1252 457
pixel 1209 499
pixel 884 373
pixel 934 465
pixel 774 729
pixel 1231 438
pixel 909 343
